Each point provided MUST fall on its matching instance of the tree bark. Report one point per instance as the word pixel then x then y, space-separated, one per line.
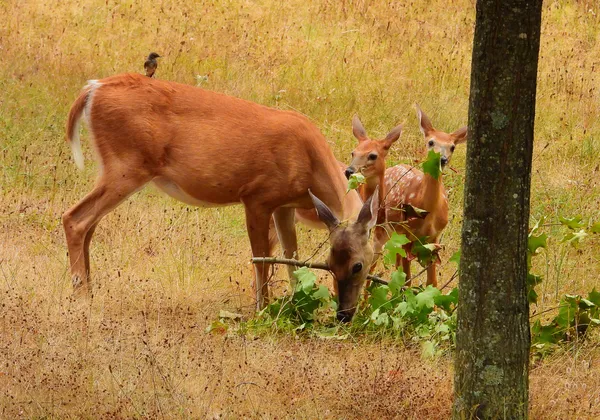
pixel 492 339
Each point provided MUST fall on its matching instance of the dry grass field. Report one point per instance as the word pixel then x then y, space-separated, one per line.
pixel 162 270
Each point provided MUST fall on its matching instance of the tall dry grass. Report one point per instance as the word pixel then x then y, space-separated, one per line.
pixel 163 270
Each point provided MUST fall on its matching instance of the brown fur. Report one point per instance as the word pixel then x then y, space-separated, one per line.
pixel 402 185
pixel 351 252
pixel 204 148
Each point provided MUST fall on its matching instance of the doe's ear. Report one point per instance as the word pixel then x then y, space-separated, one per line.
pixel 392 136
pixel 460 135
pixel 358 130
pixel 325 214
pixel 424 123
pixel 368 214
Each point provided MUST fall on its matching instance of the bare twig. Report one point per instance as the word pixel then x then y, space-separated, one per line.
pixel 547 310
pixel 419 274
pixel 296 263
pixel 449 281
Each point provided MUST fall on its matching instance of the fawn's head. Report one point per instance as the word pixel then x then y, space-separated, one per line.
pixel 439 141
pixel 351 253
pixel 369 156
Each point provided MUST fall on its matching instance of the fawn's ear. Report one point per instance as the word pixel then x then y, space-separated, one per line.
pixel 358 130
pixel 325 214
pixel 460 135
pixel 424 123
pixel 368 214
pixel 392 136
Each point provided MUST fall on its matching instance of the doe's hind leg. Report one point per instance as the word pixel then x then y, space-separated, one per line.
pixel 80 220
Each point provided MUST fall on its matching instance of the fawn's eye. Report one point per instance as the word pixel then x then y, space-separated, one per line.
pixel 356 268
pixel 430 143
pixel 452 148
pixel 352 154
pixel 372 156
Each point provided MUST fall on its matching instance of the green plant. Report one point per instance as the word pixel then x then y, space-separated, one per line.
pixel 426 315
pixel 575 315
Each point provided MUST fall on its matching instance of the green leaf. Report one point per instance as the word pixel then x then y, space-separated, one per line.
pixel 586 304
pixel 355 180
pixel 545 333
pixel 427 297
pixel 442 329
pixel 426 253
pixel 446 302
pixel 403 308
pixel 397 282
pixel 595 228
pixel 571 222
pixel 382 319
pixel 331 334
pixel 594 296
pixel 455 258
pixel 409 305
pixel 533 279
pixel 411 211
pixel 574 237
pixel 393 247
pixel 537 225
pixel 567 311
pixel 321 293
pixel 217 327
pixel 378 299
pixel 532 295
pixel 535 242
pixel 428 349
pixel 306 279
pixel 432 166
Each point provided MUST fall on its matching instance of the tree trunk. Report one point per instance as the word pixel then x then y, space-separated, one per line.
pixel 492 339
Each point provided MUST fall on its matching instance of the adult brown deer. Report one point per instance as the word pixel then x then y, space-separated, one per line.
pixel 204 149
pixel 403 184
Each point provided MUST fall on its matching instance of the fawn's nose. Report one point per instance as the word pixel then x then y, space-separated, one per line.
pixel 444 160
pixel 349 171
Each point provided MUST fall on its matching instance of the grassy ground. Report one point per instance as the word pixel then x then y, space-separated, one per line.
pixel 163 271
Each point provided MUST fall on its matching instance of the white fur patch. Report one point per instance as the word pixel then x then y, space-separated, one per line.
pixel 92 85
pixel 76 148
pixel 173 190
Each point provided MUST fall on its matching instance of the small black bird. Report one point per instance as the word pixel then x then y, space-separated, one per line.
pixel 151 64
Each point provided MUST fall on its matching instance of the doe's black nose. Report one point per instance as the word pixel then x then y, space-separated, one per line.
pixel 349 171
pixel 344 316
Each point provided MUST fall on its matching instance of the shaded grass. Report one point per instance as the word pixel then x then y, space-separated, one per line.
pixel 164 270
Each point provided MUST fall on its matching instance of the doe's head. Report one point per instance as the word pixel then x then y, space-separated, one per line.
pixel 369 155
pixel 351 253
pixel 439 141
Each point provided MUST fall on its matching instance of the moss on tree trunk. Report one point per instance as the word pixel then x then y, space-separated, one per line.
pixel 492 355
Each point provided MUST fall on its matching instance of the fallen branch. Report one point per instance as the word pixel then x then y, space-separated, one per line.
pixel 296 263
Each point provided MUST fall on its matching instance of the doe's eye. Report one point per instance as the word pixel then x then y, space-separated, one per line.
pixel 372 156
pixel 356 268
pixel 430 143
